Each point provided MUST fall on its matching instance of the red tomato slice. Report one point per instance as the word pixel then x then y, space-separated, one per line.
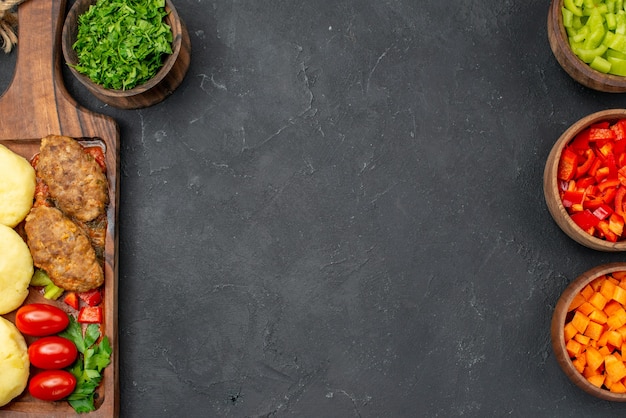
pixel 52 385
pixel 40 319
pixel 52 353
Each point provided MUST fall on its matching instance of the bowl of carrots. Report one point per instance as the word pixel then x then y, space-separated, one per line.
pixel 584 181
pixel 128 55
pixel 587 39
pixel 588 331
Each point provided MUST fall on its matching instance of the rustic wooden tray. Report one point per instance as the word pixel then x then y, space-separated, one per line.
pixel 37 104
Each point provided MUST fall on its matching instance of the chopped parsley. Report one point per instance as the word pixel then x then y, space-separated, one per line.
pixel 93 357
pixel 120 44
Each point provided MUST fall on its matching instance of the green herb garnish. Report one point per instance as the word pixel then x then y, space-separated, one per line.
pixel 93 357
pixel 120 43
pixel 51 291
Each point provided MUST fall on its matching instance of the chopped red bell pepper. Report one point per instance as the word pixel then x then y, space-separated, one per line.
pixel 567 165
pixel 616 224
pixel 608 183
pixel 607 234
pixel 581 141
pixel 601 136
pixel 90 315
pixel 91 297
pixel 572 197
pixel 590 157
pixel 619 201
pixel 603 212
pixel 585 219
pixel 71 299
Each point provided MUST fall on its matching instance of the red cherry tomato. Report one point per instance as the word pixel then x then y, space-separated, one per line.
pixel 52 352
pixel 40 319
pixel 52 385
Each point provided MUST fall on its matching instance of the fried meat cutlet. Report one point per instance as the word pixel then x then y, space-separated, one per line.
pixel 77 183
pixel 63 250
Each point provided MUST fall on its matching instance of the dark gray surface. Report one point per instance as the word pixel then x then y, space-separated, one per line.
pixel 339 213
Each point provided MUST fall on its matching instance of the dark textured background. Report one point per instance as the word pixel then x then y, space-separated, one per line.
pixel 339 213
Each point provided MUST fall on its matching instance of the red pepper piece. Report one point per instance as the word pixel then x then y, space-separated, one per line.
pixel 581 141
pixel 603 212
pixel 584 182
pixel 585 219
pixel 590 157
pixel 91 297
pixel 601 136
pixel 602 173
pixel 619 128
pixel 608 183
pixel 597 163
pixel 609 235
pixel 619 201
pixel 609 195
pixel 90 315
pixel 572 197
pixel 567 165
pixel 616 224
pixel 71 299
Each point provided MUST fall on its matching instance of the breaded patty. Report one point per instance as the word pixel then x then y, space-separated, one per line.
pixel 62 249
pixel 76 181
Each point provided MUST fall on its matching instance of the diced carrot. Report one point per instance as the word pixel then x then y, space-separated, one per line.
pixel 612 307
pixel 615 339
pixel 597 283
pixel 581 321
pixel 576 302
pixel 598 316
pixel 604 350
pixel 570 331
pixel 616 320
pixel 619 275
pixel 579 363
pixel 585 340
pixel 614 368
pixel 618 387
pixel 594 330
pixel 619 295
pixel 585 308
pixel 587 292
pixel 596 380
pixel 604 339
pixel 607 290
pixel 594 358
pixel 598 300
pixel 573 348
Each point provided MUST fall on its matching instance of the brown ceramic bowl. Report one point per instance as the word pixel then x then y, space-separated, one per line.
pixel 551 187
pixel 574 66
pixel 155 90
pixel 558 331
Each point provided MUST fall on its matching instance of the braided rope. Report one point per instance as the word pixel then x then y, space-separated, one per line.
pixel 8 24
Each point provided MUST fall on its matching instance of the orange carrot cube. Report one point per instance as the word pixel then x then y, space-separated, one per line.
pixel 619 295
pixel 585 340
pixel 611 307
pixel 573 348
pixel 576 302
pixel 594 358
pixel 615 339
pixel 616 320
pixel 594 330
pixel 614 367
pixel 581 321
pixel 618 387
pixel 579 363
pixel 598 300
pixel 607 289
pixel 586 308
pixel 598 316
pixel 619 275
pixel 596 380
pixel 570 331
pixel 587 292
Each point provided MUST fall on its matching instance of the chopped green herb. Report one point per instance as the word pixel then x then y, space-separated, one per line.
pixel 92 359
pixel 51 291
pixel 120 43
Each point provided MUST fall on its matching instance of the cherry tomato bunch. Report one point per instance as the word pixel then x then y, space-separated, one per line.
pixel 592 179
pixel 50 352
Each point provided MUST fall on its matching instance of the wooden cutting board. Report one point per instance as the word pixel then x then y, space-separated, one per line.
pixel 37 104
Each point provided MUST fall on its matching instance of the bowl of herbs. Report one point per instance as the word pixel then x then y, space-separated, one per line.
pixel 130 54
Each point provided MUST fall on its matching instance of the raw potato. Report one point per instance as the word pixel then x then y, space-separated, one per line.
pixel 16 270
pixel 17 187
pixel 14 363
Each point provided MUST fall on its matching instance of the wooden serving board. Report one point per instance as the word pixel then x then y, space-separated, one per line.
pixel 37 104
